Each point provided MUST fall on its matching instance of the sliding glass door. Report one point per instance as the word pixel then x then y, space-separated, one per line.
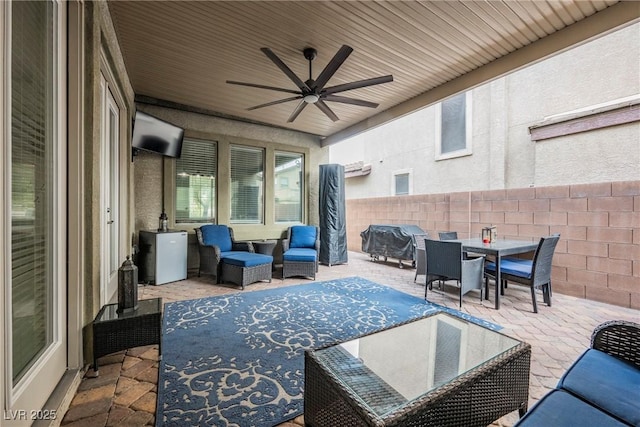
pixel 34 161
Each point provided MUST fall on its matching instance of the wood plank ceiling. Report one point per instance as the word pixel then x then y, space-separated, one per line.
pixel 183 52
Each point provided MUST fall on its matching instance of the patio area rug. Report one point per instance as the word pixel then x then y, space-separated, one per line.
pixel 238 359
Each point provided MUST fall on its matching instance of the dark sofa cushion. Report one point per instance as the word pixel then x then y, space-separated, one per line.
pixel 559 408
pixel 606 382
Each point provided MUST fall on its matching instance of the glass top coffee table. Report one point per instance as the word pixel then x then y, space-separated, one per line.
pixel 440 370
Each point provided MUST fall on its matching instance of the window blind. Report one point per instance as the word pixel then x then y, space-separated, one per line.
pixel 247 184
pixel 402 184
pixel 196 174
pixel 32 181
pixel 288 187
pixel 454 135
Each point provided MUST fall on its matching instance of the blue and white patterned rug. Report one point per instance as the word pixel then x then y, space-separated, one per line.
pixel 238 359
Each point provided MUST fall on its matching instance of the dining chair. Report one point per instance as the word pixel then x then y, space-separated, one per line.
pixel 448 235
pixel 445 262
pixel 420 256
pixel 534 273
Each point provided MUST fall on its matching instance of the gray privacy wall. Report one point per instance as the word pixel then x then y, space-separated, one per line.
pixel 597 257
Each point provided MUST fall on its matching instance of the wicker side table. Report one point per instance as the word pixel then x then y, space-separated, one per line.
pixel 113 331
pixel 265 247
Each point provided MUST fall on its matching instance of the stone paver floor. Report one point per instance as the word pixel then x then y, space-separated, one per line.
pixel 125 392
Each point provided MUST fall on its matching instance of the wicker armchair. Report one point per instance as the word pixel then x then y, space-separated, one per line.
pixel 300 251
pixel 445 262
pixel 212 241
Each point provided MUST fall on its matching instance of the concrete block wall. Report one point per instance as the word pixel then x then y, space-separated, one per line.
pixel 597 258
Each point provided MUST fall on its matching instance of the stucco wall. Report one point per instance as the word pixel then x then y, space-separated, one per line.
pixel 504 156
pixel 597 257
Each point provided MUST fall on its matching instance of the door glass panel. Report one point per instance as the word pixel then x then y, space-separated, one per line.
pixel 32 182
pixel 113 193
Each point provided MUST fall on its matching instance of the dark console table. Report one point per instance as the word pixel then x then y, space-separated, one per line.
pixel 113 331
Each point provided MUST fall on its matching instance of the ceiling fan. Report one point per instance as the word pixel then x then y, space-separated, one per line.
pixel 314 91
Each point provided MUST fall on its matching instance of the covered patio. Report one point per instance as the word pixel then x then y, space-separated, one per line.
pixel 125 391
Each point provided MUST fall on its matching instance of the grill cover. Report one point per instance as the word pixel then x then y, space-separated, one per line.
pixel 395 241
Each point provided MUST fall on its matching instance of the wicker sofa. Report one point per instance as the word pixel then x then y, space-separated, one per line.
pixel 601 388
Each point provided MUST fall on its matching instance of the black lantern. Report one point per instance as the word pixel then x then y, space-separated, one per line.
pixel 127 287
pixel 163 222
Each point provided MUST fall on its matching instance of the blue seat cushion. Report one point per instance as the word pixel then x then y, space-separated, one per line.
pixel 606 382
pixel 217 235
pixel 513 266
pixel 559 408
pixel 303 236
pixel 245 259
pixel 300 255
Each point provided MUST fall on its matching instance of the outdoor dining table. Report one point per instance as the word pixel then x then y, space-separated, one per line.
pixel 498 249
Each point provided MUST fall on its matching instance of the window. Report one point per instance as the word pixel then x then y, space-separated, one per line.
pixel 402 182
pixel 247 182
pixel 288 191
pixel 453 127
pixel 196 182
pixel 37 196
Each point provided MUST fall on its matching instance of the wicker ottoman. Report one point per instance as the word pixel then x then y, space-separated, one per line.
pixel 299 262
pixel 244 268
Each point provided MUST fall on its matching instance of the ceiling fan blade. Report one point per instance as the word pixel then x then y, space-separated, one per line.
pixel 325 109
pixel 280 101
pixel 333 66
pixel 345 100
pixel 297 111
pixel 279 89
pixel 295 79
pixel 358 84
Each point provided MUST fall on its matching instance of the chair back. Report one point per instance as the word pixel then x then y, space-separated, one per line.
pixel 217 235
pixel 419 240
pixel 448 235
pixel 444 258
pixel 303 236
pixel 541 270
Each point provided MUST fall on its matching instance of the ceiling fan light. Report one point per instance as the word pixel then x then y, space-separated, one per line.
pixel 311 98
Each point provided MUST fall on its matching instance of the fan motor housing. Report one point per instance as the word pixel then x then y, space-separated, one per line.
pixel 310 53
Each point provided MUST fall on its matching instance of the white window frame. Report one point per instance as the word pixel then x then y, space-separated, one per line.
pixel 468 150
pixel 395 174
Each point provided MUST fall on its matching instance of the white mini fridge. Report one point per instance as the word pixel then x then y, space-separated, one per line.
pixel 162 257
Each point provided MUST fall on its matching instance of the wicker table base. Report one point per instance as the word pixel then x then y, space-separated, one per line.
pixel 113 331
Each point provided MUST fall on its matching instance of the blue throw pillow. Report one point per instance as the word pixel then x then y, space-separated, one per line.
pixel 303 236
pixel 217 235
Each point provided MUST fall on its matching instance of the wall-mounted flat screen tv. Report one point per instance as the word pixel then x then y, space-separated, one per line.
pixel 155 135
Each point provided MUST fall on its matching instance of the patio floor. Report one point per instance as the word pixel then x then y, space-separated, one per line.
pixel 125 392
